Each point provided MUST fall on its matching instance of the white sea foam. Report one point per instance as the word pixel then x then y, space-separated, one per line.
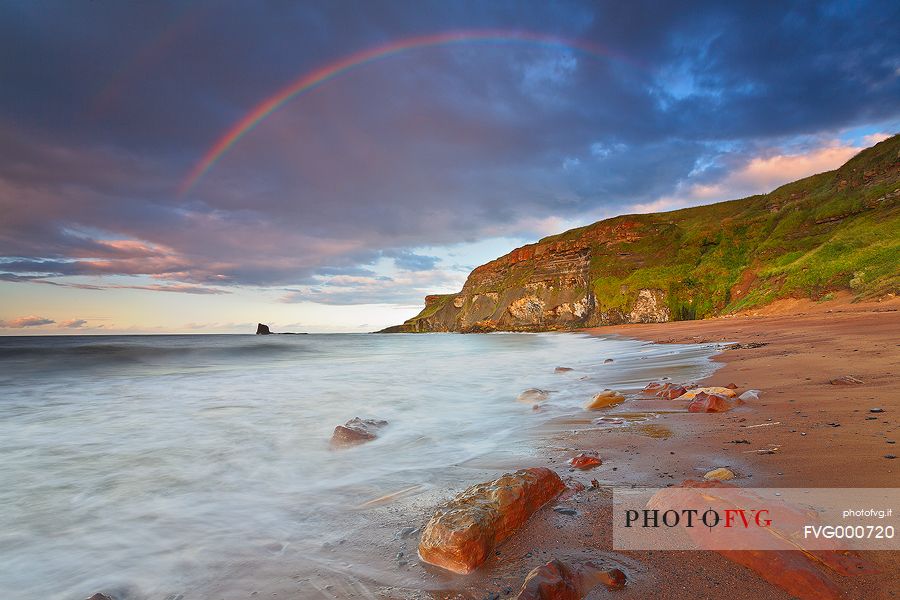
pixel 154 465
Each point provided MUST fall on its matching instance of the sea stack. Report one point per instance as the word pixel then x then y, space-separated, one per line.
pixel 262 329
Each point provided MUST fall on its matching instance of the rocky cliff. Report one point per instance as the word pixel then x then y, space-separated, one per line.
pixel 833 231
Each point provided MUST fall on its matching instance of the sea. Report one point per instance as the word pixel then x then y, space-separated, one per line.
pixel 195 466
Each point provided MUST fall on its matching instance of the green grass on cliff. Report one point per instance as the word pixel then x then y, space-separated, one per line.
pixel 436 305
pixel 833 231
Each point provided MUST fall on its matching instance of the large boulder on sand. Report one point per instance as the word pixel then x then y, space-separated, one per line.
pixel 356 431
pixel 557 580
pixel 463 532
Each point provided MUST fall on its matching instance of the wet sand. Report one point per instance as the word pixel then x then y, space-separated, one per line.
pixel 806 345
pixel 803 353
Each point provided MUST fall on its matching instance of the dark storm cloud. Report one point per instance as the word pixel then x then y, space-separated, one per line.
pixel 105 106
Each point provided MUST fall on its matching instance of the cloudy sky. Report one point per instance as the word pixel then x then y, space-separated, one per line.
pixel 424 138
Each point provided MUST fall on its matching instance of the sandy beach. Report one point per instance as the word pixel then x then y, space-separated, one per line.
pixel 821 434
pixel 805 349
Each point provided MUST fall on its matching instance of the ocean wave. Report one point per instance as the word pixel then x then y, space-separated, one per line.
pixel 135 352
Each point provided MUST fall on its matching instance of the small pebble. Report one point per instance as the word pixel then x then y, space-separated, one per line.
pixel 891 456
pixel 876 410
pixel 564 510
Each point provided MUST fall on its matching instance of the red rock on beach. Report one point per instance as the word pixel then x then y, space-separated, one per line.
pixel 673 392
pixel 463 532
pixel 586 460
pixel 557 580
pixel 709 403
pixel 667 390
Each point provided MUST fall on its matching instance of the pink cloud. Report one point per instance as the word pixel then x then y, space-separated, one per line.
pixel 73 323
pixel 766 173
pixel 874 138
pixel 29 321
pixel 761 174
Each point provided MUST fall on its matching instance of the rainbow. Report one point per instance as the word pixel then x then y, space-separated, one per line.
pixel 315 78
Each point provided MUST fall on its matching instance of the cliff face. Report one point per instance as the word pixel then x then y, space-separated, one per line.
pixel 834 231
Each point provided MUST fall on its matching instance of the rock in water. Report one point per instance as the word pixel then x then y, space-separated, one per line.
pixel 356 431
pixel 562 369
pixel 533 396
pixel 99 596
pixel 558 581
pixel 720 474
pixel 262 329
pixel 604 399
pixel 463 532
